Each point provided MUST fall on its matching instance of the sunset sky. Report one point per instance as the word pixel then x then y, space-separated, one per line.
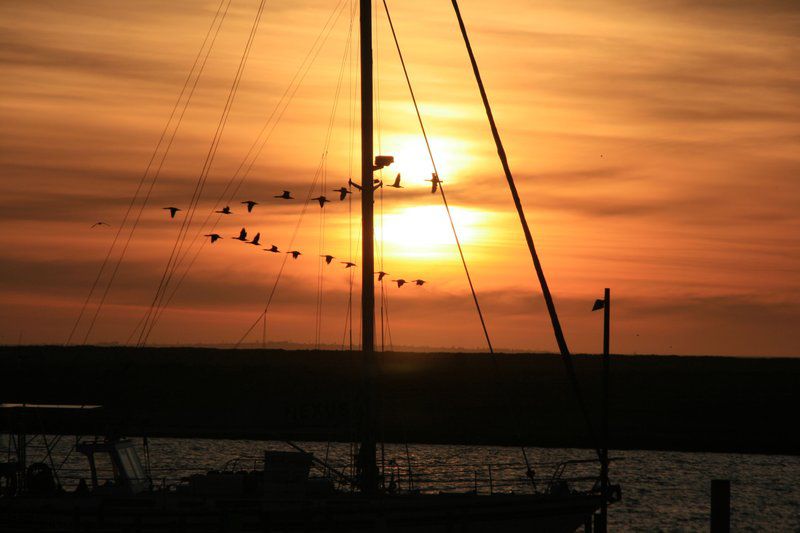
pixel 656 147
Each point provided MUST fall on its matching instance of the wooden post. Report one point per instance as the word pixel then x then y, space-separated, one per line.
pixel 720 506
pixel 22 459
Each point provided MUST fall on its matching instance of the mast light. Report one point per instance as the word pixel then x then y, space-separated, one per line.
pixel 382 161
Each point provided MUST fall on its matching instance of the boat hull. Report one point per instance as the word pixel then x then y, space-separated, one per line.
pixel 409 513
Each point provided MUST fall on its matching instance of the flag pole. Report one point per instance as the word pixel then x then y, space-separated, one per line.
pixel 604 423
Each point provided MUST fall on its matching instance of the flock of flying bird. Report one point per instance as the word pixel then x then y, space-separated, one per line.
pixel 322 200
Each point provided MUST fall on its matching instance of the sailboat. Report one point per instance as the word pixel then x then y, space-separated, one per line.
pixel 284 496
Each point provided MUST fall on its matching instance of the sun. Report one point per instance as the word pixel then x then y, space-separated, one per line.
pixel 425 231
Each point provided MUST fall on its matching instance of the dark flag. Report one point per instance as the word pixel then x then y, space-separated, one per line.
pixel 598 304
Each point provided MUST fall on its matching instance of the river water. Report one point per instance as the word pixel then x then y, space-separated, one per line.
pixel 661 491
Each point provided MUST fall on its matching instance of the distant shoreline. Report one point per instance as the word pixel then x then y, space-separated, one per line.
pixel 680 403
pixel 412 349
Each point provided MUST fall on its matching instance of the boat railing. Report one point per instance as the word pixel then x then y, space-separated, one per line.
pixel 559 481
pixel 404 474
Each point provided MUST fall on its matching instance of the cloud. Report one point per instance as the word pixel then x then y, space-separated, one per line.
pixel 654 146
pixel 15 52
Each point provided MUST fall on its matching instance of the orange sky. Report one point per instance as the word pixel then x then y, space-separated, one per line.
pixel 655 146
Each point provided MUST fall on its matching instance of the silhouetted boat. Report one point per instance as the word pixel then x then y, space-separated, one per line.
pixel 284 495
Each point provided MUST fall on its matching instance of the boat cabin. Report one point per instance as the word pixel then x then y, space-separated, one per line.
pixel 128 474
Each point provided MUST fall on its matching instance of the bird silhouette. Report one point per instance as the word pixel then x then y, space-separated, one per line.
pixel 396 183
pixel 400 282
pixel 286 195
pixel 343 192
pixel 322 200
pixel 328 259
pixel 435 181
pixel 255 242
pixel 250 204
pixel 273 249
pixel 225 210
pixel 101 223
pixel 214 237
pixel 295 254
pixel 376 184
pixel 172 211
pixel 348 264
pixel 381 274
pixel 419 282
pixel 242 235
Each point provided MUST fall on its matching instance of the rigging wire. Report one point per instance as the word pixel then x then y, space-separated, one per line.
pixel 147 171
pixel 436 172
pixel 455 233
pixel 329 134
pixel 320 261
pixel 355 73
pixel 281 107
pixel 157 174
pixel 210 156
pixel 283 264
pixel 349 321
pixel 377 106
pixel 388 322
pixel 318 176
pixel 559 334
pixel 201 181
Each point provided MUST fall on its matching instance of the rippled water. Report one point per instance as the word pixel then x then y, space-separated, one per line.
pixel 661 491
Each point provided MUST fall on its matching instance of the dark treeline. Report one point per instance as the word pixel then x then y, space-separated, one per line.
pixel 657 402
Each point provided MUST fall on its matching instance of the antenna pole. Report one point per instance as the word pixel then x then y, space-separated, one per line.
pixel 367 465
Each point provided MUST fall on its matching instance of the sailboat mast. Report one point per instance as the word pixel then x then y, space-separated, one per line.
pixel 367 193
pixel 366 458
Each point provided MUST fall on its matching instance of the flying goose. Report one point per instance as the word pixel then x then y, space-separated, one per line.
pixel 343 192
pixel 435 181
pixel 322 200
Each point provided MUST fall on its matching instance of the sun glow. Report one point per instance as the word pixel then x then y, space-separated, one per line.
pixel 424 231
pixel 452 156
